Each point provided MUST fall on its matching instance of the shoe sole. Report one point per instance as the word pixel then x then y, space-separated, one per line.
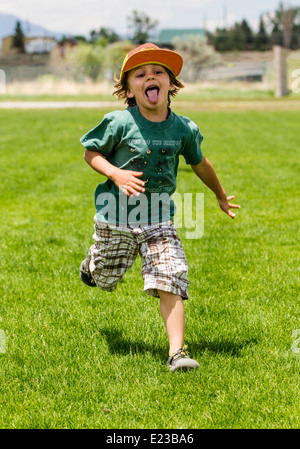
pixel 85 277
pixel 184 363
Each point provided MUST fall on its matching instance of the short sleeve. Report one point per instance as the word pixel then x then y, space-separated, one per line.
pixel 102 138
pixel 192 152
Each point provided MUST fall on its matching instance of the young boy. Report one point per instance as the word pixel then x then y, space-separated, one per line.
pixel 138 151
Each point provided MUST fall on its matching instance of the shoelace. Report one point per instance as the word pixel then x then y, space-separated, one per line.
pixel 182 352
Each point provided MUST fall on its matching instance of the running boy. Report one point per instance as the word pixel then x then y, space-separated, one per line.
pixel 138 150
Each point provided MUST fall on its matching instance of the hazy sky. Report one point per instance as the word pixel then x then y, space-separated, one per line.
pixel 81 16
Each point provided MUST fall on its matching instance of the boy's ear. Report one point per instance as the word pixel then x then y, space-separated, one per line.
pixel 129 94
pixel 172 87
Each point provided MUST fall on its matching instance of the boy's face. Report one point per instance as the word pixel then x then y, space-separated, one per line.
pixel 149 85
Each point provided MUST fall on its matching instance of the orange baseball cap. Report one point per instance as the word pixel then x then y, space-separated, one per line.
pixel 151 54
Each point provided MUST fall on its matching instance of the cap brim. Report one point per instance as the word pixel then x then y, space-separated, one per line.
pixel 166 58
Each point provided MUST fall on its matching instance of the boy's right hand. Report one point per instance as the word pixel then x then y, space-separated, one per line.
pixel 128 181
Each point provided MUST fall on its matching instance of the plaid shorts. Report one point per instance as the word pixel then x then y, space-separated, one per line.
pixel 164 265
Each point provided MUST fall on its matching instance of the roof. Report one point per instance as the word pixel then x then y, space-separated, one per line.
pixel 167 35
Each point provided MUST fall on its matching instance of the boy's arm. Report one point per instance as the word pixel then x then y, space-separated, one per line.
pixel 207 174
pixel 127 180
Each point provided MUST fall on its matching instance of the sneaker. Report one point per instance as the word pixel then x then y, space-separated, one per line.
pixel 180 359
pixel 85 274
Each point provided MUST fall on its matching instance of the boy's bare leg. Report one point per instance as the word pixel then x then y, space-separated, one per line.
pixel 172 311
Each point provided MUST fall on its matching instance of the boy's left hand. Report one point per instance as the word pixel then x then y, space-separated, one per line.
pixel 226 206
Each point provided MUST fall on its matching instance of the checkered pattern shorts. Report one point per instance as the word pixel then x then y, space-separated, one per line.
pixel 164 265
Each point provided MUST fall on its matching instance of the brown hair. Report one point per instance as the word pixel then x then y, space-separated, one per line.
pixel 122 88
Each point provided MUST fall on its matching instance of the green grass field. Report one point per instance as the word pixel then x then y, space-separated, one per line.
pixel 201 94
pixel 80 358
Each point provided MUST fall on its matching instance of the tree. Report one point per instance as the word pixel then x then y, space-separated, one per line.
pixel 222 39
pixel 18 38
pixel 284 24
pixel 238 37
pixel 93 36
pixel 262 42
pixel 249 39
pixel 80 38
pixel 141 26
pixel 276 35
pixel 114 57
pixel 87 61
pixel 287 20
pixel 280 27
pixel 295 44
pixel 197 55
pixel 107 35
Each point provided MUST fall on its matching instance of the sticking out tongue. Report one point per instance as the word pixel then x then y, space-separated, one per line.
pixel 152 94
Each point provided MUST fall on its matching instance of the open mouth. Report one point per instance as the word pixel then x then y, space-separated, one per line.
pixel 152 94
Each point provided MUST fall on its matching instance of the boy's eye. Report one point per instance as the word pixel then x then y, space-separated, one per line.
pixel 141 75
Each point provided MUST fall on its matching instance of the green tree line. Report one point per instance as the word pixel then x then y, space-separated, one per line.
pixel 281 27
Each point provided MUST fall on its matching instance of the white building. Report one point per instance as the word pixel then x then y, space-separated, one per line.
pixel 39 44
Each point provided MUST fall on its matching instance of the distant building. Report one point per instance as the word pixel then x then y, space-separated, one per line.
pixel 166 36
pixel 7 46
pixel 60 51
pixel 43 44
pixel 38 44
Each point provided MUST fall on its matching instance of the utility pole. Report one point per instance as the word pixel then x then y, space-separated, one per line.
pixel 204 21
pixel 280 65
pixel 224 16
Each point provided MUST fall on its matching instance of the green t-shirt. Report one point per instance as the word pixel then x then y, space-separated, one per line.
pixel 131 142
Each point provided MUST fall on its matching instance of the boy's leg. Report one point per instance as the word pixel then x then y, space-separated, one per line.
pixel 165 275
pixel 172 311
pixel 84 272
pixel 112 254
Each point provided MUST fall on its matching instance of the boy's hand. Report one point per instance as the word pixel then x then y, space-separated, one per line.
pixel 225 205
pixel 205 171
pixel 128 181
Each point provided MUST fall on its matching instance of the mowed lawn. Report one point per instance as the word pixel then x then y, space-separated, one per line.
pixel 75 357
